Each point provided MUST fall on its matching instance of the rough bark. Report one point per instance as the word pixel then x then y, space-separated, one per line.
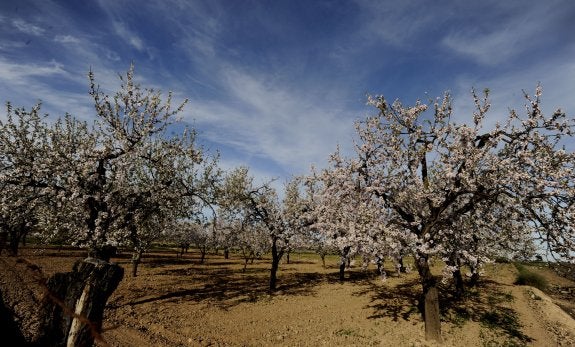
pixel 72 310
pixel 430 300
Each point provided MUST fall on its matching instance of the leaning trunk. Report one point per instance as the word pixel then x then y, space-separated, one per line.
pixel 429 301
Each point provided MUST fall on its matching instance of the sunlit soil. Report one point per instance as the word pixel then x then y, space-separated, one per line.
pixel 177 301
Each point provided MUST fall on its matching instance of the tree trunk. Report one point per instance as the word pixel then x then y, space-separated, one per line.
pixel 3 240
pixel 474 278
pixel 402 268
pixel 457 277
pixel 203 251
pixel 323 260
pixel 73 307
pixel 343 261
pixel 430 300
pixel 276 257
pixel 287 257
pixel 226 253
pixel 379 262
pixel 136 259
pixel 14 243
pixel 458 281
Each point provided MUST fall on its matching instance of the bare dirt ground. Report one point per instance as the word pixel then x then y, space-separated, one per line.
pixel 180 302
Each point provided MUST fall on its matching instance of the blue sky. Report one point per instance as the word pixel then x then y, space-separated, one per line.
pixel 277 85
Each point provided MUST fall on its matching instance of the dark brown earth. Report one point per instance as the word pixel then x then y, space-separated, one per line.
pixel 180 302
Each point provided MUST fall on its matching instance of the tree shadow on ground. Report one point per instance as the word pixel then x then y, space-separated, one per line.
pixel 225 286
pixel 486 304
pixel 400 301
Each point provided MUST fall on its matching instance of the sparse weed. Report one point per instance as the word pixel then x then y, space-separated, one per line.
pixel 530 278
pixel 347 332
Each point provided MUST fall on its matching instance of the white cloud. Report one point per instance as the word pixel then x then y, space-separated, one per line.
pixel 266 119
pixel 557 78
pixel 66 39
pixel 130 37
pixel 395 23
pixel 489 49
pixel 27 28
pixel 18 73
pixel 504 31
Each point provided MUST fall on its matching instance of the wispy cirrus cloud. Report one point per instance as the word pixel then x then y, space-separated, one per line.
pixel 128 36
pixel 67 39
pixel 27 28
pixel 278 86
pixel 396 23
pixel 507 30
pixel 18 73
pixel 270 120
pixel 556 77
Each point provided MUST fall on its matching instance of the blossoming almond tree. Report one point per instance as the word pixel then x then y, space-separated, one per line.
pixel 117 182
pixel 25 172
pixel 260 208
pixel 426 175
pixel 348 218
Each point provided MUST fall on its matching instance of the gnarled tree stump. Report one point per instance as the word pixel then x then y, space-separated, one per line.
pixel 73 309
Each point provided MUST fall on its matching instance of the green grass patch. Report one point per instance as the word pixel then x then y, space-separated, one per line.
pixel 347 332
pixel 530 278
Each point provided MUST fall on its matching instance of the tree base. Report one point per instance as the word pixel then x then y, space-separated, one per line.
pixel 73 308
